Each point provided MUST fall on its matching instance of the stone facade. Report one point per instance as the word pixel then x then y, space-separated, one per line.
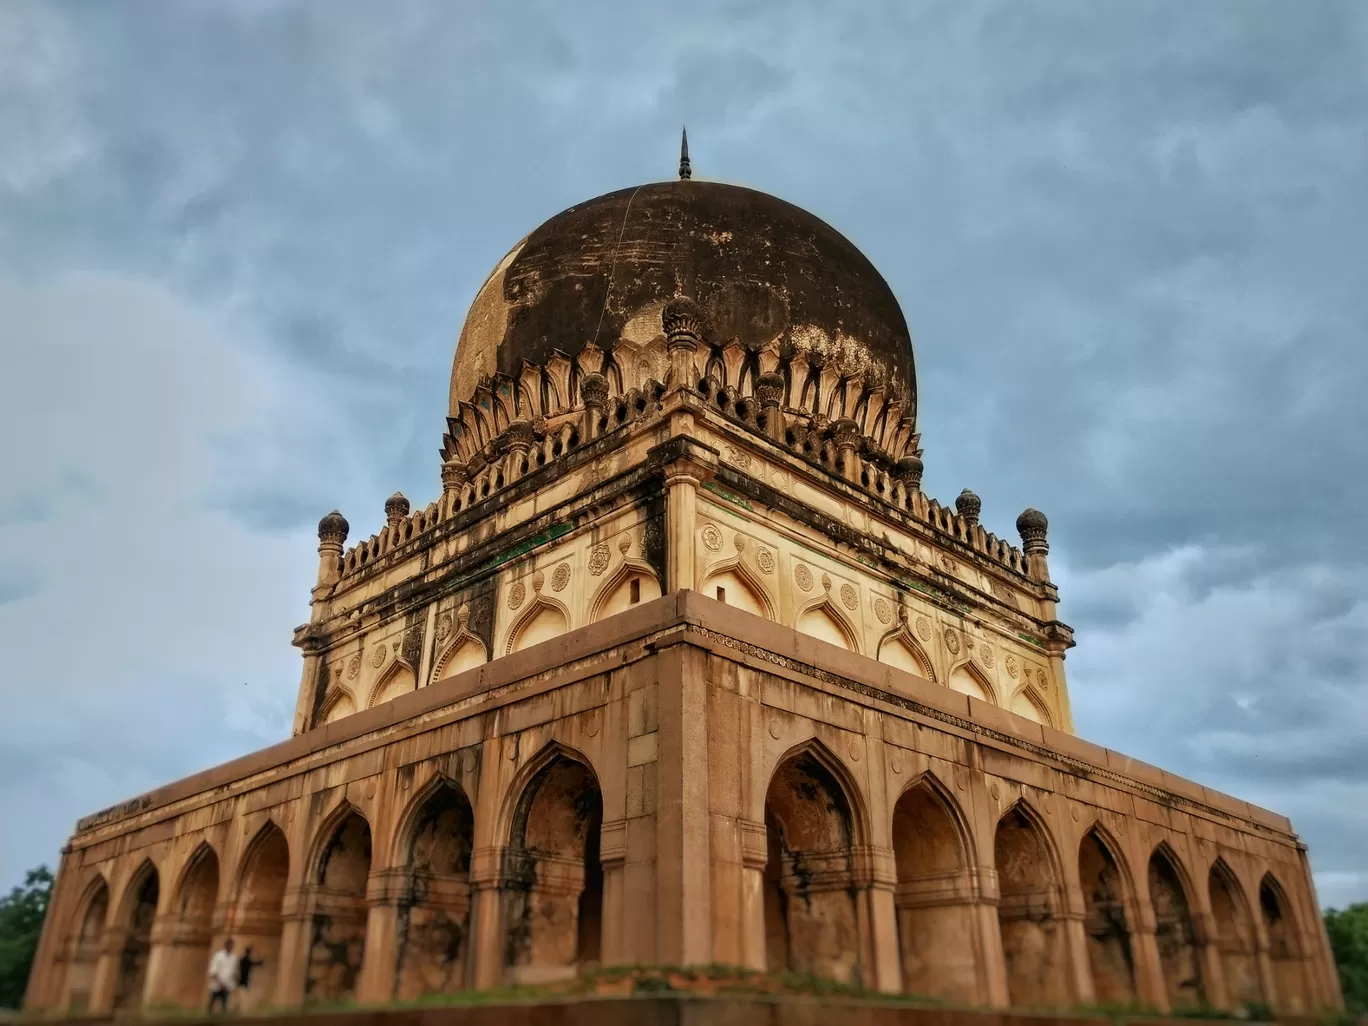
pixel 683 667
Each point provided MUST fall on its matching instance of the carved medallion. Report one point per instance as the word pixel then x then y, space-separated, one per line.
pixel 764 559
pixel 1041 680
pixel 923 628
pixel 598 559
pixel 1012 668
pixel 948 563
pixel 738 458
pixel 353 667
pixel 803 576
pixel 952 641
pixel 986 654
pixel 712 537
pixel 516 594
pixel 883 611
pixel 560 577
pixel 412 646
pixel 378 656
pixel 849 596
pixel 443 626
pixel 855 751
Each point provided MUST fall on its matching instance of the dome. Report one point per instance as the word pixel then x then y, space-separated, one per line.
pixel 762 270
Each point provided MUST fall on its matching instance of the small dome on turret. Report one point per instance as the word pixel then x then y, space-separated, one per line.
pixel 332 527
pixel 969 506
pixel 1032 525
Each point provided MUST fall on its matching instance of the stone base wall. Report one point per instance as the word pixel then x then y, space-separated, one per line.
pixel 686 784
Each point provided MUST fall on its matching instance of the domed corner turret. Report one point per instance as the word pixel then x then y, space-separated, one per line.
pixel 333 529
pixel 332 534
pixel 1032 526
pixel 968 506
pixel 396 508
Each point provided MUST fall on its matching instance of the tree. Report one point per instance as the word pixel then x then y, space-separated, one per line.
pixel 21 922
pixel 1348 932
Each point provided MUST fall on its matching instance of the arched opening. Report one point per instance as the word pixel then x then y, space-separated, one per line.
pixel 1026 703
pixel 904 653
pixel 543 624
pixel 1029 913
pixel 1178 956
pixel 1234 937
pixel 257 912
pixel 467 654
pixel 338 943
pixel 810 910
pixel 1289 976
pixel 631 587
pixel 553 899
pixel 140 911
pixel 822 623
pixel 967 680
pixel 84 948
pixel 937 938
pixel 399 681
pixel 342 704
pixel 434 912
pixel 733 588
pixel 1110 955
pixel 186 959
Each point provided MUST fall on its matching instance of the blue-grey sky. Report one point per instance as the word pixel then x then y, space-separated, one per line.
pixel 238 240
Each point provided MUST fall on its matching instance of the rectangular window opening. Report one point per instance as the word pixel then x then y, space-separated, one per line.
pixel 721 594
pixel 634 590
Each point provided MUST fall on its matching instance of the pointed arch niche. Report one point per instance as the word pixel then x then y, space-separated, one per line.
pixel 899 648
pixel 464 651
pixel 968 679
pixel 733 583
pixel 398 680
pixel 823 620
pixel 1111 955
pixel 1179 958
pixel 139 910
pixel 1289 971
pixel 633 583
pixel 337 706
pixel 84 946
pixel 1026 703
pixel 1234 936
pixel 434 908
pixel 186 959
pixel 1033 936
pixel 257 912
pixel 811 921
pixel 338 940
pixel 553 894
pixel 542 620
pixel 935 896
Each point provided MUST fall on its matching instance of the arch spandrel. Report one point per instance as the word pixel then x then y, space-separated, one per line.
pixel 841 631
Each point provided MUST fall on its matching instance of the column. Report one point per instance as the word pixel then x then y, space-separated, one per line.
pixel 613 946
pixel 991 959
pixel 687 466
pixel 486 947
pixel 295 941
pixel 683 871
pixel 378 966
pixel 1149 974
pixel 754 856
pixel 1076 942
pixel 876 877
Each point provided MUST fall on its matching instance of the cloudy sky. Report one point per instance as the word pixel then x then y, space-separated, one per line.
pixel 237 242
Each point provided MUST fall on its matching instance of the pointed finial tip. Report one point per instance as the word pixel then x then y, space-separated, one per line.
pixel 685 169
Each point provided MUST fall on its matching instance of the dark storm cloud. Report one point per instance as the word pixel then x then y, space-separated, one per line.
pixel 1129 240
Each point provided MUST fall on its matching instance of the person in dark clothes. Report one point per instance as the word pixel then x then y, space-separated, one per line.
pixel 245 966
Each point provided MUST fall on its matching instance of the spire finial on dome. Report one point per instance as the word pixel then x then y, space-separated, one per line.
pixel 685 170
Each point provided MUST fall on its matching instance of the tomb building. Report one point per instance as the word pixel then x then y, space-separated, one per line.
pixel 682 666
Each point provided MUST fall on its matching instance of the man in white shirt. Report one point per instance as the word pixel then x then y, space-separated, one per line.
pixel 223 970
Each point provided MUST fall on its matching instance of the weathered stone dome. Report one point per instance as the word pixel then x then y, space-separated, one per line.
pixel 761 269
